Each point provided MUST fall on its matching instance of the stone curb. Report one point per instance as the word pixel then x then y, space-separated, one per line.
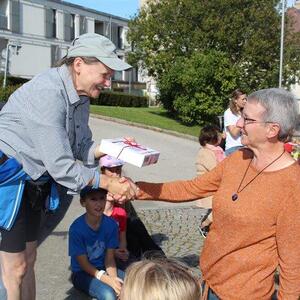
pixel 153 128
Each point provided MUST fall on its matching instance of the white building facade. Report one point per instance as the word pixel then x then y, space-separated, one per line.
pixel 37 33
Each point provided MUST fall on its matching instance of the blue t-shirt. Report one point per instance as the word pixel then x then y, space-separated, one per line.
pixel 93 243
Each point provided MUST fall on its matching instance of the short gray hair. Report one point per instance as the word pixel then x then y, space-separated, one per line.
pixel 281 107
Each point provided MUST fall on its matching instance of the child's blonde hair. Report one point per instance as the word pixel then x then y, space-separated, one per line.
pixel 160 279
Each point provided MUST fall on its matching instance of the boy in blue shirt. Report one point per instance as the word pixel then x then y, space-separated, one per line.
pixel 93 238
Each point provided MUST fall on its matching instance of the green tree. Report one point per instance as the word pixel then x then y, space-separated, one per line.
pixel 247 32
pixel 196 89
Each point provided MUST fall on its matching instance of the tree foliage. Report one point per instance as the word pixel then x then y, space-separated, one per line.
pixel 197 88
pixel 246 32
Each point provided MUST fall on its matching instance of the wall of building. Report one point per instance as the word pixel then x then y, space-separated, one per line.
pixel 22 67
pixel 44 29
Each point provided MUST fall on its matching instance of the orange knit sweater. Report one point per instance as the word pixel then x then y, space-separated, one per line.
pixel 249 237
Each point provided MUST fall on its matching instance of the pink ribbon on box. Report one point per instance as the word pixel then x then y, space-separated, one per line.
pixel 130 144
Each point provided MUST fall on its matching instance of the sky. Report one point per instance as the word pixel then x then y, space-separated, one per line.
pixel 120 8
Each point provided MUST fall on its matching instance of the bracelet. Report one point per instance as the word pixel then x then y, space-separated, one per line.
pixel 96 180
pixel 99 274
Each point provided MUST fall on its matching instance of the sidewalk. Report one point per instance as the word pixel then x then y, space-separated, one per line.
pixel 174 226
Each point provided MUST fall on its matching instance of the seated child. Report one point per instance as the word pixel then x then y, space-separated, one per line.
pixel 93 238
pixel 208 157
pixel 134 237
pixel 160 279
pixel 113 167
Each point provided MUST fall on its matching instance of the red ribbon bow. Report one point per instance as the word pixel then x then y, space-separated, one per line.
pixel 129 143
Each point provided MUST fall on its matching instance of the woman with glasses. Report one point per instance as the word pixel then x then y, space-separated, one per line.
pixel 231 116
pixel 256 207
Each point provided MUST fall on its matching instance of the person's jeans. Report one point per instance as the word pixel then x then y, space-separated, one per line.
pixel 232 149
pixel 94 287
pixel 211 295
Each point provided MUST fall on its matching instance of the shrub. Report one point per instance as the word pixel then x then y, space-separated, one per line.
pixel 7 91
pixel 13 80
pixel 121 99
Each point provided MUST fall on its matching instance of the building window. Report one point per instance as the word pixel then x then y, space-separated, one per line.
pixel 69 27
pixel 15 16
pixel 54 23
pixel 83 25
pixel 114 34
pixel 120 44
pixel 55 54
pixel 99 27
pixel 50 21
pixel 72 27
pixel 3 15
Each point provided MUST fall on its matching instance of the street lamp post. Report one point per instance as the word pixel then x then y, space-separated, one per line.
pixel 281 42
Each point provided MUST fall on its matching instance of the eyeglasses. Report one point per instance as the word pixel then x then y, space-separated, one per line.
pixel 252 121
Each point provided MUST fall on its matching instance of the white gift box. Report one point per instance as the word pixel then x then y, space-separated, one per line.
pixel 129 152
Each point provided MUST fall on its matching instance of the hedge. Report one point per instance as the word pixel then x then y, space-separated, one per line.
pixel 105 98
pixel 121 99
pixel 6 92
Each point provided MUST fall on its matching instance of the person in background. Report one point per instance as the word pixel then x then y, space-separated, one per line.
pixel 231 116
pixel 44 138
pixel 256 207
pixel 209 155
pixel 93 238
pixel 210 152
pixel 138 240
pixel 160 279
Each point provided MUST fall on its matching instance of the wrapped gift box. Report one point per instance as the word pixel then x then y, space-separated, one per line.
pixel 129 152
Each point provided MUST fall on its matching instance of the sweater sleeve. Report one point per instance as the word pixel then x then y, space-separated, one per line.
pixel 288 238
pixel 183 190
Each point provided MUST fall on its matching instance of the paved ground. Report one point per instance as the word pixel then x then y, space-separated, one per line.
pixel 175 229
pixel 173 226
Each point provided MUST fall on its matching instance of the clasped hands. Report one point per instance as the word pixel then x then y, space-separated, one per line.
pixel 122 189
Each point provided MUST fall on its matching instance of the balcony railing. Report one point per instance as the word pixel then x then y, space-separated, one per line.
pixel 3 21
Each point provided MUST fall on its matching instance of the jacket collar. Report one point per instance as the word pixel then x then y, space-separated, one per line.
pixel 66 77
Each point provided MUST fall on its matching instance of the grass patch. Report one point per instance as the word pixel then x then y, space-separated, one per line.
pixel 152 116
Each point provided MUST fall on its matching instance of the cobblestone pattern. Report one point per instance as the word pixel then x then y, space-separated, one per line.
pixel 176 231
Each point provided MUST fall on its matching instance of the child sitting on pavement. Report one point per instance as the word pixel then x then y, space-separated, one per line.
pixel 93 238
pixel 137 238
pixel 160 279
pixel 208 157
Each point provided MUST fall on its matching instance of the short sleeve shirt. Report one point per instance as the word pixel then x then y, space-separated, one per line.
pixel 83 240
pixel 231 119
